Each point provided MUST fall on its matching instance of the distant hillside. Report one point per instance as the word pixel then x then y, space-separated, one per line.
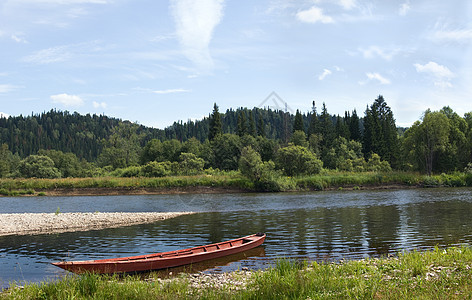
pixel 83 134
pixel 76 133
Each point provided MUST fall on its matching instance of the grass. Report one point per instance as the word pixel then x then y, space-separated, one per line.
pixel 435 274
pixel 234 180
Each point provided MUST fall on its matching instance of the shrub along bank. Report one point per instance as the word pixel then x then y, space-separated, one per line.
pixel 271 181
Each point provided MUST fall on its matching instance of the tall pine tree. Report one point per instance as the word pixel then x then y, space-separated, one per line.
pixel 380 132
pixel 215 123
pixel 298 123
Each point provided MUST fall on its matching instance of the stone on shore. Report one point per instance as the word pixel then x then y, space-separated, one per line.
pixel 43 223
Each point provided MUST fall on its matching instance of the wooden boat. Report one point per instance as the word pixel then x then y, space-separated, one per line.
pixel 163 260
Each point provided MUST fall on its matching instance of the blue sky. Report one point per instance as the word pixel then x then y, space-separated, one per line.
pixel 155 62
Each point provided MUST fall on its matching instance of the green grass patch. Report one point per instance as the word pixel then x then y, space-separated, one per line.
pixel 234 180
pixel 435 274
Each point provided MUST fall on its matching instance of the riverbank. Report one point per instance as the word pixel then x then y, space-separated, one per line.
pixel 46 223
pixel 435 274
pixel 230 182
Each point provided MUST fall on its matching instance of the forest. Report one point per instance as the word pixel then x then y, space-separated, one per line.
pixel 260 143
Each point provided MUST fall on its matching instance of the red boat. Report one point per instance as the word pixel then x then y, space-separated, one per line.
pixel 163 260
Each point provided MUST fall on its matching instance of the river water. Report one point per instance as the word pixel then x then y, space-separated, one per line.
pixel 314 226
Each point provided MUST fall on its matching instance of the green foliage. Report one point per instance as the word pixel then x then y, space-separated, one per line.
pixel 122 147
pixel 190 164
pixel 156 169
pixel 297 160
pixel 215 124
pixel 226 151
pixel 298 123
pixel 423 141
pixel 435 274
pixel 38 166
pixel 380 133
pixel 375 164
pixel 299 139
pixel 250 163
pixel 67 163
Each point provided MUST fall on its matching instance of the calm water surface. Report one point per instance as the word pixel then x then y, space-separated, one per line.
pixel 313 226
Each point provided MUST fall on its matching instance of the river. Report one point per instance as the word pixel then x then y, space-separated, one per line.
pixel 321 226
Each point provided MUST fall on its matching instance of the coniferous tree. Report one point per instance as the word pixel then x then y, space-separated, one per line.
pixel 242 123
pixel 341 128
pixel 326 128
pixel 354 129
pixel 380 132
pixel 260 125
pixel 298 123
pixel 252 125
pixel 314 122
pixel 215 123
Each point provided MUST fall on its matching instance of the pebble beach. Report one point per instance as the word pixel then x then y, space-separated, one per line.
pixel 45 223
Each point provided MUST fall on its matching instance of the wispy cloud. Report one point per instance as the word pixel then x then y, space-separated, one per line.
pixel 325 73
pixel 99 104
pixel 314 15
pixel 404 8
pixel 18 38
pixel 67 100
pixel 161 92
pixel 49 55
pixel 171 91
pixel 63 53
pixel 348 4
pixel 64 2
pixel 6 88
pixel 455 35
pixel 441 74
pixel 375 77
pixel 195 22
pixel 376 51
pixel 4 115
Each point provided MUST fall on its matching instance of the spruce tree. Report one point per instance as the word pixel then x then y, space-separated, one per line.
pixel 314 122
pixel 242 123
pixel 354 129
pixel 215 123
pixel 326 127
pixel 252 125
pixel 380 132
pixel 260 125
pixel 298 123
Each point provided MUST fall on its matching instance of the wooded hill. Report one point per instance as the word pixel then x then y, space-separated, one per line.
pixel 440 142
pixel 83 135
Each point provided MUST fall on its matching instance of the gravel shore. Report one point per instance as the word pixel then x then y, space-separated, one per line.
pixel 41 223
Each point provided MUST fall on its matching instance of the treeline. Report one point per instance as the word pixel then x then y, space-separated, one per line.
pixel 263 144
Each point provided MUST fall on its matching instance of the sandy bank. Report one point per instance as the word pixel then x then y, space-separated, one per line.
pixel 41 223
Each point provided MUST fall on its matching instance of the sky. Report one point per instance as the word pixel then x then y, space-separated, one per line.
pixel 155 62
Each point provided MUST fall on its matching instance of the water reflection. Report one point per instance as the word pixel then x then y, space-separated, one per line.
pixel 314 226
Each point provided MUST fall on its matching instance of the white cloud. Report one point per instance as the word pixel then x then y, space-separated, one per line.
pixel 314 15
pixel 67 100
pixel 6 88
pixel 195 22
pixel 18 39
pixel 99 104
pixel 4 115
pixel 404 8
pixel 457 35
pixel 375 76
pixel 64 2
pixel 441 74
pixel 50 55
pixel 374 51
pixel 348 4
pixel 325 73
pixel 170 91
